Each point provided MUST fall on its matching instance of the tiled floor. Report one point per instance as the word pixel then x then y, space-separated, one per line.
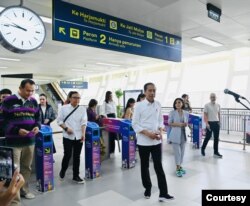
pixel 123 187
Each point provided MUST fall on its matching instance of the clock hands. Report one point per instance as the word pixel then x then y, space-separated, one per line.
pixel 16 26
pixel 19 27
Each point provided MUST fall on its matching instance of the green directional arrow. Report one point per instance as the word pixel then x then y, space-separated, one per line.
pixel 47 150
pixel 62 30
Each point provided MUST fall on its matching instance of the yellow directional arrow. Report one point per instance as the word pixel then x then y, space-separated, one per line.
pixel 62 30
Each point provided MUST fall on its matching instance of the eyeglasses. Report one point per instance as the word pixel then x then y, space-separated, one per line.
pixel 76 97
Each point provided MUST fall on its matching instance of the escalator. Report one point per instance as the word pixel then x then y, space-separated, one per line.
pixel 55 95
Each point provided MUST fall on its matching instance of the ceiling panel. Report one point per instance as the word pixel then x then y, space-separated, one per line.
pixel 187 18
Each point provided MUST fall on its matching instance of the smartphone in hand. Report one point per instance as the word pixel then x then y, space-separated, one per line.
pixel 6 164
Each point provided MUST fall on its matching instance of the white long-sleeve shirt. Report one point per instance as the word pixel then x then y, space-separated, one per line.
pixel 147 116
pixel 108 108
pixel 75 121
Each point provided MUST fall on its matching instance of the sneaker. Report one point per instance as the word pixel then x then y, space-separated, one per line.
pixel 202 152
pixel 178 173
pixel 28 196
pixel 218 155
pixel 183 171
pixel 78 180
pixel 147 193
pixel 61 175
pixel 166 198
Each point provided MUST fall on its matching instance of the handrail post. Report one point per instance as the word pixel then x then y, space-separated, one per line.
pixel 244 136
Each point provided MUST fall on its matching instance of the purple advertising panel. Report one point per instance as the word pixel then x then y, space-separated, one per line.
pixel 48 170
pixel 92 151
pixel 112 125
pixel 96 158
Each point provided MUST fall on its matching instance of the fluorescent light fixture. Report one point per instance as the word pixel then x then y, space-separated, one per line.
pixel 82 70
pixel 106 64
pixel 207 41
pixel 78 70
pixel 3 67
pixel 45 19
pixel 9 59
pixel 42 80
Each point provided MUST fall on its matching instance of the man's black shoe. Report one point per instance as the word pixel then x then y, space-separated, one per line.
pixel 78 180
pixel 202 152
pixel 218 155
pixel 61 175
pixel 165 198
pixel 147 193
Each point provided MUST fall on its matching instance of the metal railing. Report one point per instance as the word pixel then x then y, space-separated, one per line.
pixel 232 120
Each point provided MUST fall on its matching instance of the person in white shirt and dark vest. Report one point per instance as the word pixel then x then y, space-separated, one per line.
pixel 147 122
pixel 109 110
pixel 72 118
pixel 212 120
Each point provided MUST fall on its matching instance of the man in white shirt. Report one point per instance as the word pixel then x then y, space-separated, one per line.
pixel 73 119
pixel 147 122
pixel 212 120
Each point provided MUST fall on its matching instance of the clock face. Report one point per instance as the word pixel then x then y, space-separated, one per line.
pixel 21 29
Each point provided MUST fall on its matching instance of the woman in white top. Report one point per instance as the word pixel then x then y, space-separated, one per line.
pixel 109 110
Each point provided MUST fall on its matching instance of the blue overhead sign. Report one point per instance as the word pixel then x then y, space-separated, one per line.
pixel 73 85
pixel 78 25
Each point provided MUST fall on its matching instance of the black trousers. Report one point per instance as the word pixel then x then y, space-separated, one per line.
pixel 144 152
pixel 215 129
pixel 112 136
pixel 68 146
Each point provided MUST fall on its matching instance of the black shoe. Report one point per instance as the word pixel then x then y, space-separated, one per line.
pixel 78 180
pixel 165 198
pixel 147 193
pixel 202 152
pixel 61 175
pixel 218 155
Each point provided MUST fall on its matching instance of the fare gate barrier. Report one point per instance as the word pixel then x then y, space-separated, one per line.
pixel 44 159
pixel 124 129
pixel 92 151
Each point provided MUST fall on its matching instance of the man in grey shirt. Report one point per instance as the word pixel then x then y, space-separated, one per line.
pixel 212 120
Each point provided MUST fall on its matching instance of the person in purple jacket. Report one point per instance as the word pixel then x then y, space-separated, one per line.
pixel 3 94
pixel 21 122
pixel 91 112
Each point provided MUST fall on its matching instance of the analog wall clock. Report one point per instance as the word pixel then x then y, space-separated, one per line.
pixel 21 30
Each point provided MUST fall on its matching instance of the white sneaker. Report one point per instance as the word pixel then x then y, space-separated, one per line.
pixel 29 196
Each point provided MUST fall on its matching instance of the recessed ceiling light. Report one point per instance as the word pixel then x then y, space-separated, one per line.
pixel 9 59
pixel 3 67
pixel 106 64
pixel 45 19
pixel 207 41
